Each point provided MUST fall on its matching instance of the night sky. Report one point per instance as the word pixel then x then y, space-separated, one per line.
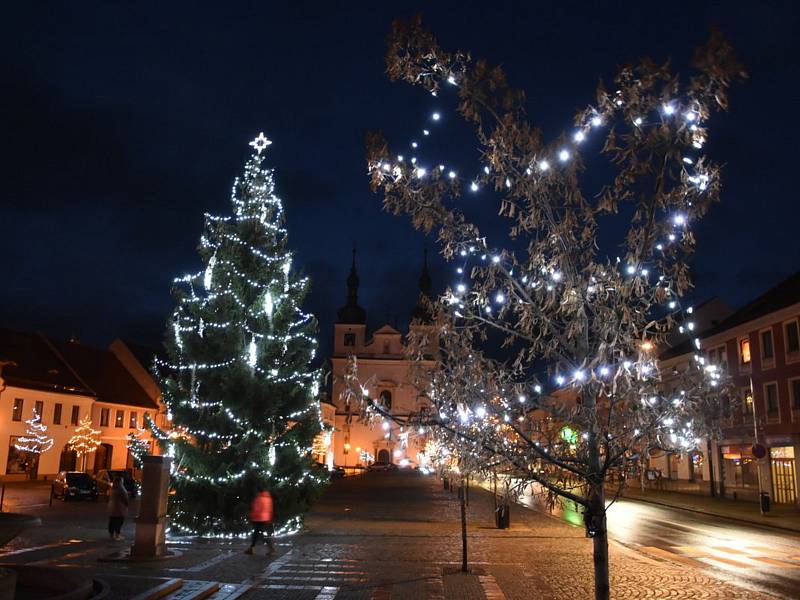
pixel 122 123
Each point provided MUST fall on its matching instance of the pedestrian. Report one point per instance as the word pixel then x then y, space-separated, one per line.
pixel 261 518
pixel 117 508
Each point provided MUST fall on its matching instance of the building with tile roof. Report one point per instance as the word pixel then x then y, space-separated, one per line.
pixel 64 381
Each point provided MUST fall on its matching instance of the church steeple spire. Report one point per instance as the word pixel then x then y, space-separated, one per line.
pixel 352 312
pixel 420 311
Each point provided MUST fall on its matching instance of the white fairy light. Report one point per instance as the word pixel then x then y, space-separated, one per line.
pixel 679 219
pixel 209 274
pixel 579 137
pixel 668 108
pixel 452 174
pixel 425 132
pixel 269 305
pixel 544 165
pixel 522 399
pixel 637 121
pixel 461 288
pixel 421 172
pixel 480 412
pixel 252 353
pixel 436 116
pixel 499 298
pixel 563 156
pixel 560 380
pixel 414 145
pixel 597 121
pixel 474 187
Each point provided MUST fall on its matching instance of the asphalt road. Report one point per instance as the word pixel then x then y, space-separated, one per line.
pixel 757 558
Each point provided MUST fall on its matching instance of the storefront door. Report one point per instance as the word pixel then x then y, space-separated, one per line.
pixel 784 483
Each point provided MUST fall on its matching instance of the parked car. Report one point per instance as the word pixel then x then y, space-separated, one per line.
pixel 382 466
pixel 338 472
pixel 74 485
pixel 106 477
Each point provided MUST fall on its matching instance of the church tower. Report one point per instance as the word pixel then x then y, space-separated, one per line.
pixel 421 318
pixel 351 325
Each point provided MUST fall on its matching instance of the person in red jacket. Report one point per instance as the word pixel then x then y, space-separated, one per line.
pixel 261 517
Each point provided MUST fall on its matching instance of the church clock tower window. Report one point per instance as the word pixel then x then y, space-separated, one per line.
pixel 349 339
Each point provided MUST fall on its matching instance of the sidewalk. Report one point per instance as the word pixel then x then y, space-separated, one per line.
pixel 779 517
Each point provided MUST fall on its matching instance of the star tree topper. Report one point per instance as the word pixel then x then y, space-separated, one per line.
pixel 260 143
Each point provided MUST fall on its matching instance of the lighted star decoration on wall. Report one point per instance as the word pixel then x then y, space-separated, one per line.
pixel 260 143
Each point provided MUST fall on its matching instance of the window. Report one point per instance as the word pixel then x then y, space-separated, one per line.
pixel 16 412
pixel 38 409
pixel 132 422
pixel 767 351
pixel 19 463
pixel 119 419
pixel 349 339
pixel 104 412
pixel 386 399
pixel 57 414
pixel 145 418
pixel 771 400
pixel 718 356
pixel 747 404
pixel 76 413
pixel 794 391
pixel 744 351
pixel 792 338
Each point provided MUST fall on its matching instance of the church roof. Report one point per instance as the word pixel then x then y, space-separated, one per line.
pixel 386 329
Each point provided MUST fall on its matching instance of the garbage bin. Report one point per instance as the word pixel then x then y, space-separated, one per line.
pixel 764 502
pixel 502 516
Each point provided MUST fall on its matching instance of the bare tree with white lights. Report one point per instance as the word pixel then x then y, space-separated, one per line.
pixel 578 389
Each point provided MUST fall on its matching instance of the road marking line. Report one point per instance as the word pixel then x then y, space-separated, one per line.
pixel 775 562
pixel 35 548
pixel 491 590
pixel 205 564
pixel 693 551
pixel 728 550
pixel 661 553
pixel 729 561
pixel 327 593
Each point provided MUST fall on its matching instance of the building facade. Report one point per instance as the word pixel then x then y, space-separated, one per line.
pixel 759 347
pixel 63 382
pixel 388 376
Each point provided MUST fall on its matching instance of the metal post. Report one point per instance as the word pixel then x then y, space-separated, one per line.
pixel 755 434
pixel 2 497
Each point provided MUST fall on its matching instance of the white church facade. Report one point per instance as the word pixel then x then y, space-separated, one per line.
pixel 388 375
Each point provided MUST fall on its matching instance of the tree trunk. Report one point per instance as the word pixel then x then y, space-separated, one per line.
pixel 710 456
pixel 463 529
pixel 597 507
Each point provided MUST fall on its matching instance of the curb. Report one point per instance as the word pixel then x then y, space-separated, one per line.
pixel 713 514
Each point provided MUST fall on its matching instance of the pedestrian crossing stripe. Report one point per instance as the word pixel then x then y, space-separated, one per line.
pixel 704 556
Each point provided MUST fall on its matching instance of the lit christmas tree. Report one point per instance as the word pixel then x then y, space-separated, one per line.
pixel 85 440
pixel 138 446
pixel 239 385
pixel 35 440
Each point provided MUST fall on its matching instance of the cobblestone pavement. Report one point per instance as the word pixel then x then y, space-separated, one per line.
pixel 379 537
